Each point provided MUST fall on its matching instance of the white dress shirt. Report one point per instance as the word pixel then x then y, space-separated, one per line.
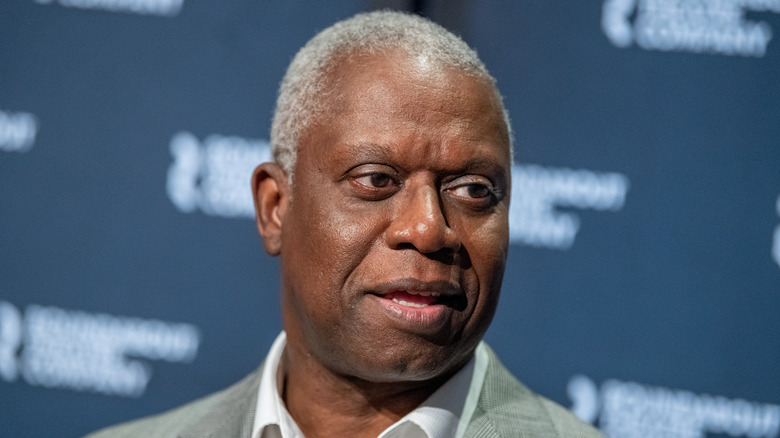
pixel 445 414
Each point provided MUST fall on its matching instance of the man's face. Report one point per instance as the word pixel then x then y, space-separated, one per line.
pixel 394 244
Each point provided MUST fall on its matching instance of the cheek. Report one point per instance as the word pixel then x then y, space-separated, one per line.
pixel 486 239
pixel 341 237
pixel 324 243
pixel 487 244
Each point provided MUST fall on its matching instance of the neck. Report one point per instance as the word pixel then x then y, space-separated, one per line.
pixel 323 403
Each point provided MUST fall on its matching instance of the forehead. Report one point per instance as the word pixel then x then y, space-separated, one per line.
pixel 393 94
pixel 411 79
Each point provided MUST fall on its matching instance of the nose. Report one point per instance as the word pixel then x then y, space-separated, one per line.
pixel 420 222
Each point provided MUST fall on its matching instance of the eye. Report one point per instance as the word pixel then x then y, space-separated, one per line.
pixel 373 182
pixel 473 190
pixel 376 179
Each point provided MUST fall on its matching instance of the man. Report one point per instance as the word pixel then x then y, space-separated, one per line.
pixel 388 204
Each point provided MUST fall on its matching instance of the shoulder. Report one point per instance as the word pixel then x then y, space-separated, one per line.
pixel 235 404
pixel 565 423
pixel 507 408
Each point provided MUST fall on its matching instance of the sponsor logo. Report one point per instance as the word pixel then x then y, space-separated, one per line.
pixel 213 176
pixel 776 241
pixel 712 26
pixel 165 8
pixel 633 410
pixel 69 349
pixel 17 131
pixel 538 192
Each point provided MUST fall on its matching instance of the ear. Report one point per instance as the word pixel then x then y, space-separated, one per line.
pixel 271 191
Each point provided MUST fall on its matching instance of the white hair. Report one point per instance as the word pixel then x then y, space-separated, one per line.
pixel 302 91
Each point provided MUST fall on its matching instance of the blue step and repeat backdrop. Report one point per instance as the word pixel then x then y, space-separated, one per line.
pixel 643 285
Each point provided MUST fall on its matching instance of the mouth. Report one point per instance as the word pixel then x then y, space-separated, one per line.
pixel 413 298
pixel 419 307
pixel 410 292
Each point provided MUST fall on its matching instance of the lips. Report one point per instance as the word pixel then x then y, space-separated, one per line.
pixel 418 299
pixel 423 308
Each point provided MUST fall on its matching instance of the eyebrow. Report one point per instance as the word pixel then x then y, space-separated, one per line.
pixel 368 151
pixel 364 151
pixel 481 163
pixel 371 150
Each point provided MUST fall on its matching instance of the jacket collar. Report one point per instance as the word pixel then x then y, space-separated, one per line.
pixel 231 415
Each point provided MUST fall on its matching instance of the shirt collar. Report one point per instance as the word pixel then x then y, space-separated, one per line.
pixel 445 413
pixel 270 408
pixel 439 415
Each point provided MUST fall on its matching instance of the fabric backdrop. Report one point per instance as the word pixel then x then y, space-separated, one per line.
pixel 643 284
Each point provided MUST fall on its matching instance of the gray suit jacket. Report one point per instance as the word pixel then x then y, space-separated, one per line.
pixel 506 408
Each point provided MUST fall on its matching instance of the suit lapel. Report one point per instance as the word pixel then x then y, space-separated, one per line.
pixel 506 407
pixel 231 414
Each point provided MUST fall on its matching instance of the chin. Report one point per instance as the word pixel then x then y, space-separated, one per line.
pixel 410 365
